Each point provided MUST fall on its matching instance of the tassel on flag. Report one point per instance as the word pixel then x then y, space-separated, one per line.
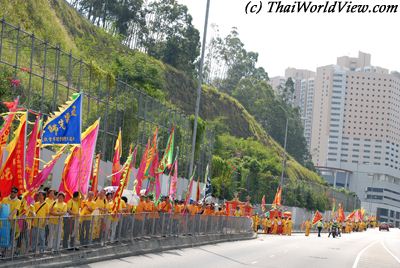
pixel 116 161
pixel 317 217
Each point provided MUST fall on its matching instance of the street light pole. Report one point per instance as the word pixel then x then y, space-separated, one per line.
pixel 284 151
pixel 196 114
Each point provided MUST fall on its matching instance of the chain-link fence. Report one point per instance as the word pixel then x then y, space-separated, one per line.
pixel 45 76
pixel 32 236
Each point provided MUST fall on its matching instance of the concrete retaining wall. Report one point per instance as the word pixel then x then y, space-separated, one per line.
pixel 125 249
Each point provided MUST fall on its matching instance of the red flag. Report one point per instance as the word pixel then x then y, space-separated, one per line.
pixel 278 197
pixel 263 207
pixel 351 216
pixel 116 167
pixel 189 192
pixel 33 153
pixel 95 174
pixel 317 217
pixel 5 130
pixel 198 190
pixel 13 171
pixel 341 215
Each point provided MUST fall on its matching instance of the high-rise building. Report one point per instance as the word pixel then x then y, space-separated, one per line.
pixel 355 135
pixel 302 97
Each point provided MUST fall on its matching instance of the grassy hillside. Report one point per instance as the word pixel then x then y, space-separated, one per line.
pixel 56 21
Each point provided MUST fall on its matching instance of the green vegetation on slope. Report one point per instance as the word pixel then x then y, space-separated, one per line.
pixel 262 156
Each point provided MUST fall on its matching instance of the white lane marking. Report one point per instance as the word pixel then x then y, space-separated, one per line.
pixel 355 264
pixel 391 253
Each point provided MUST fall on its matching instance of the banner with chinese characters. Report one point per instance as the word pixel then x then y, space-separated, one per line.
pixel 64 127
pixel 13 171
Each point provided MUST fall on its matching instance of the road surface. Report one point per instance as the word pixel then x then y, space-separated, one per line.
pixel 368 249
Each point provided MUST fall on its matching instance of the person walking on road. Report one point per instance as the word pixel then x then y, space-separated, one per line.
pixel 319 227
pixel 307 225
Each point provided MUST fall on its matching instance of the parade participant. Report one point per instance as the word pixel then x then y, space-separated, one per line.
pixel 279 230
pixel 100 211
pixel 320 224
pixel 284 226
pixel 39 223
pixel 289 226
pixel 275 226
pixel 269 225
pixel 307 225
pixel 14 203
pixel 101 202
pixel 57 211
pixel 71 221
pixel 165 206
pixel 237 212
pixel 87 208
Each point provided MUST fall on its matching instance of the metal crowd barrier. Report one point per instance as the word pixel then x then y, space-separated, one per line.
pixel 25 237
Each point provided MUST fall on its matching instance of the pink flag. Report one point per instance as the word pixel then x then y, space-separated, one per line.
pixel 142 169
pixel 78 165
pixel 174 181
pixel 33 153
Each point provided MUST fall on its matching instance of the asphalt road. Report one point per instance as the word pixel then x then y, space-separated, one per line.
pixel 368 249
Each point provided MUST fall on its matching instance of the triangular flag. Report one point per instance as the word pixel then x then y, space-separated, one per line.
pixel 317 217
pixel 116 167
pixel 33 153
pixel 166 160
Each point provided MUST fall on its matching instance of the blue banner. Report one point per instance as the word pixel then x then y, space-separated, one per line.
pixel 65 126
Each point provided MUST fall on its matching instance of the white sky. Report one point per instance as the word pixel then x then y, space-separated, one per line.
pixel 306 41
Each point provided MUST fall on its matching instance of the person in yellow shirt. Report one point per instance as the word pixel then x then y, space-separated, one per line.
pixel 13 202
pixel 99 212
pixel 284 226
pixel 71 221
pixel 289 226
pixel 57 212
pixel 41 213
pixel 87 208
pixel 275 226
pixel 307 225
pixel 268 225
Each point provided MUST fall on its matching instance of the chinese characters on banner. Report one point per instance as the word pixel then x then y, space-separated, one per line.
pixel 65 127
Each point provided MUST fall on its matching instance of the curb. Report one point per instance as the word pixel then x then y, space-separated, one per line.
pixel 126 249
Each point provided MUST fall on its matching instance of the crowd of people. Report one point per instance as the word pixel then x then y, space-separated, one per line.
pixel 336 228
pixel 50 222
pixel 273 225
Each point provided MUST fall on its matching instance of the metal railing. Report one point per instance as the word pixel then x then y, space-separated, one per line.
pixel 35 236
pixel 45 76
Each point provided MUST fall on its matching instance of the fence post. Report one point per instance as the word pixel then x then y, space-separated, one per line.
pixel 44 75
pixel 55 80
pixel 16 52
pixel 30 70
pixel 3 22
pixel 69 76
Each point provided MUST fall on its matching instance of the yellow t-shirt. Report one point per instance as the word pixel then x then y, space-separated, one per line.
pixel 14 204
pixel 50 202
pixel 101 204
pixel 73 206
pixel 42 211
pixel 58 208
pixel 85 205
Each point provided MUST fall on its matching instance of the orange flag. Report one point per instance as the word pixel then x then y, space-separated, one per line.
pixel 317 217
pixel 5 130
pixel 13 171
pixel 278 197
pixel 116 167
pixel 351 216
